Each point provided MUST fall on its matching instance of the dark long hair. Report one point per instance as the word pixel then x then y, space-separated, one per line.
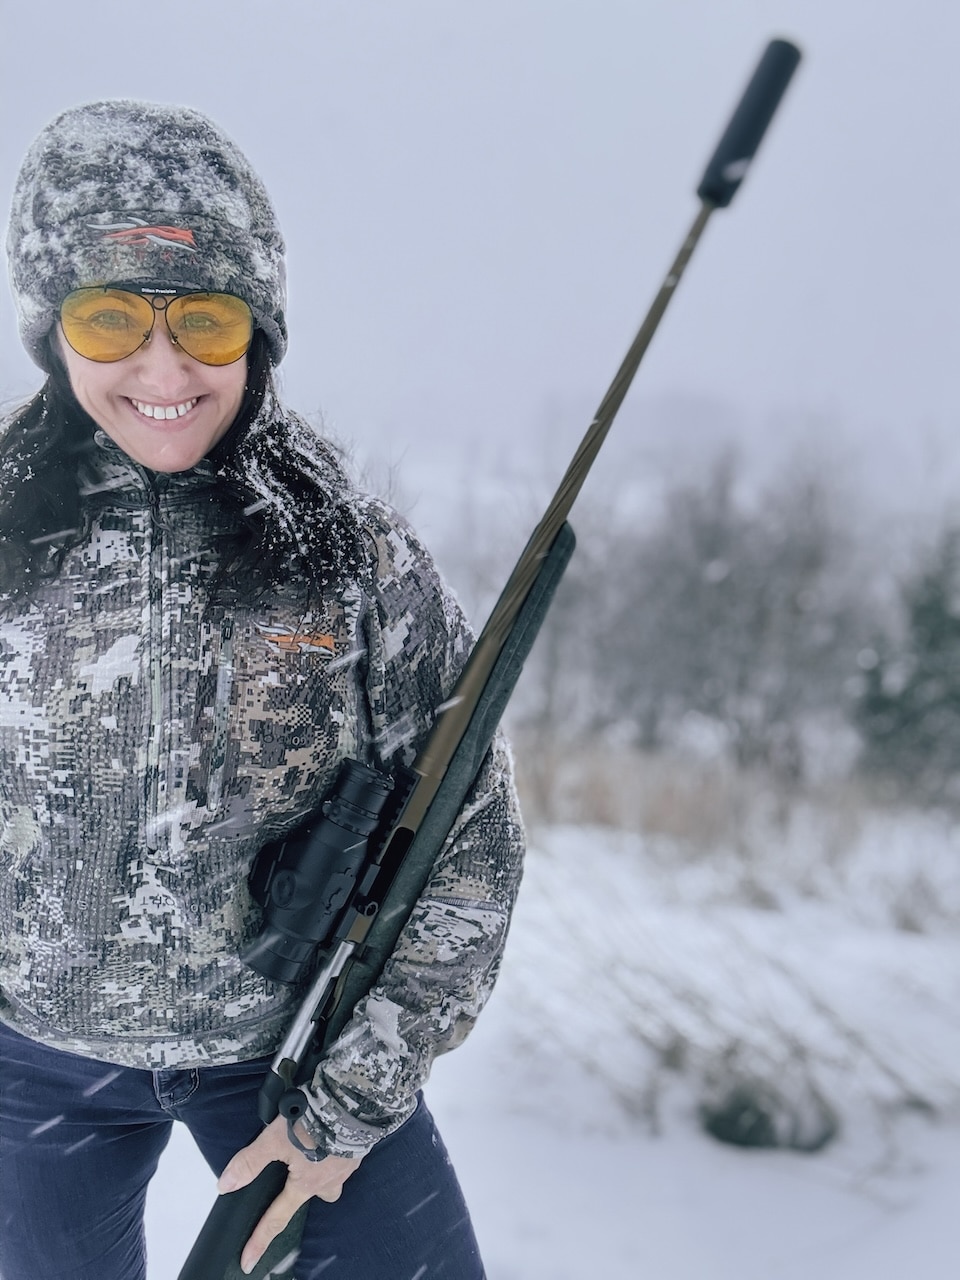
pixel 283 492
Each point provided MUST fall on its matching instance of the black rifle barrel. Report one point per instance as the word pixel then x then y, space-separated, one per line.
pixel 215 1255
pixel 722 177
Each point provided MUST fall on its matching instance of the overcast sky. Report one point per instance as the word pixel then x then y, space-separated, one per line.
pixel 480 201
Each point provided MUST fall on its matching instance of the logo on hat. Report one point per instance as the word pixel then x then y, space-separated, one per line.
pixel 139 234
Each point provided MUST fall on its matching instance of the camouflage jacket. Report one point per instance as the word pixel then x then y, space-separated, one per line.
pixel 151 742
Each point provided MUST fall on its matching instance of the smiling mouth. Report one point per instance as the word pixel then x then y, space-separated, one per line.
pixel 164 412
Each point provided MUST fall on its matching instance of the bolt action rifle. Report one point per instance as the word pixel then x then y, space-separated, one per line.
pixel 345 887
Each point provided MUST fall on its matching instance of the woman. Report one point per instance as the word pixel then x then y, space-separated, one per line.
pixel 200 619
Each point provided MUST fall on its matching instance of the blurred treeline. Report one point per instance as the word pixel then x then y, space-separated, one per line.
pixel 735 629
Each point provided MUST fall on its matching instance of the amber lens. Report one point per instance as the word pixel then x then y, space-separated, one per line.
pixel 215 328
pixel 106 324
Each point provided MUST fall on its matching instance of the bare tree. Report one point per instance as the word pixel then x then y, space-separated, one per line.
pixel 747 616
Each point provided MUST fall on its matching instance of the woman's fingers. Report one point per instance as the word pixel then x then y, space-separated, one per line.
pixel 305 1179
pixel 271 1224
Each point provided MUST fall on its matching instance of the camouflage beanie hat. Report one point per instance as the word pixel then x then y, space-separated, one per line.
pixel 132 191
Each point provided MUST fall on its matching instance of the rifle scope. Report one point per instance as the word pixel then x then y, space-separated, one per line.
pixel 303 881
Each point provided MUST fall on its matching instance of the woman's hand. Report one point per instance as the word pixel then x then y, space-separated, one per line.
pixel 305 1179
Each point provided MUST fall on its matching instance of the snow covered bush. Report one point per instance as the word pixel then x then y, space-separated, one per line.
pixel 909 707
pixel 733 619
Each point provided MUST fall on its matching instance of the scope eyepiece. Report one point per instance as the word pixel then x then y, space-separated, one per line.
pixel 303 881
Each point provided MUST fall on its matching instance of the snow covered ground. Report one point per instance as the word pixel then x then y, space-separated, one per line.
pixel 572 1112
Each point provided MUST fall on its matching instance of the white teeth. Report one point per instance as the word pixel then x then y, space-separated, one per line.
pixel 168 411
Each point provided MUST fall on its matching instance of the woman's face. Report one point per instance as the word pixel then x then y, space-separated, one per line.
pixel 163 408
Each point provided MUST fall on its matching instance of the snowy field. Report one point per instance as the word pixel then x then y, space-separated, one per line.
pixel 572 1112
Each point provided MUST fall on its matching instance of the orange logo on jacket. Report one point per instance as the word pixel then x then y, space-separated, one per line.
pixel 285 640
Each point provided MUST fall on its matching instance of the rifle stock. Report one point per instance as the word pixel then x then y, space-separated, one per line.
pixel 474 743
pixel 216 1251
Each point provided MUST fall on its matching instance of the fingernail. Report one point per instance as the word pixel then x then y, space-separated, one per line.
pixel 247 1267
pixel 227 1182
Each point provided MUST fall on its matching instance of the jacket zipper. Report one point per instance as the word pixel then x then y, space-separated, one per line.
pixel 221 715
pixel 159 711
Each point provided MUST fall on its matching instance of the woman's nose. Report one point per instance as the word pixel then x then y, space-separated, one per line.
pixel 161 364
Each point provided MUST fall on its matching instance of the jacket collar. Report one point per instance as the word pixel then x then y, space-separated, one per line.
pixel 108 469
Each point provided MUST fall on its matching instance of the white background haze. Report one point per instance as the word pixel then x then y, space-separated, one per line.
pixel 480 201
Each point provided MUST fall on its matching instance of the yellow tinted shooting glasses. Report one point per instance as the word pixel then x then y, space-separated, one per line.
pixel 106 323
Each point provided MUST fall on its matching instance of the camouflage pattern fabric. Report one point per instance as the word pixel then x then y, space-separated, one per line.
pixel 151 742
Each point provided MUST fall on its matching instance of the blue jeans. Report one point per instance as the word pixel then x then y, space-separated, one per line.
pixel 80 1140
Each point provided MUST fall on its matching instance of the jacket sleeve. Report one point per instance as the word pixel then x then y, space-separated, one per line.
pixel 444 966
